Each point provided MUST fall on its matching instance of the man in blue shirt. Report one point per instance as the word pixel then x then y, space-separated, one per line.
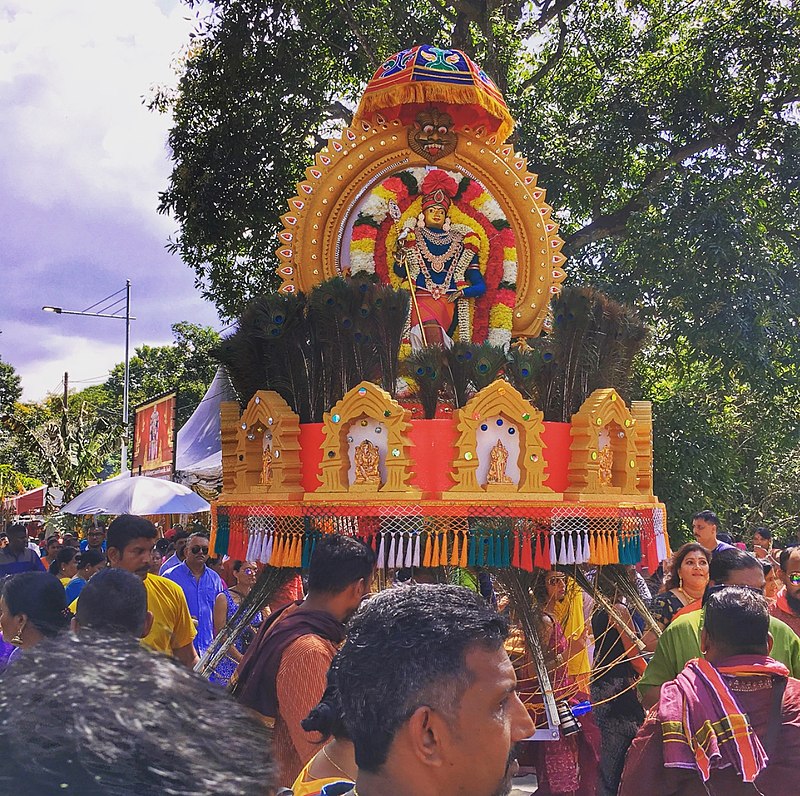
pixel 705 527
pixel 201 585
pixel 16 556
pixel 179 539
pixel 95 539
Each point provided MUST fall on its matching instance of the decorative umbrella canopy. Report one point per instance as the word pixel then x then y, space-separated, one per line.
pixel 136 495
pixel 410 81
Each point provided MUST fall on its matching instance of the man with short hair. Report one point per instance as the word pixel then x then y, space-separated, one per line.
pixel 429 694
pixel 705 526
pixel 69 540
pixel 95 539
pixel 91 717
pixel 728 724
pixel 787 602
pixel 762 543
pixel 680 642
pixel 180 537
pixel 114 602
pixel 284 672
pixel 130 547
pixel 16 556
pixel 200 585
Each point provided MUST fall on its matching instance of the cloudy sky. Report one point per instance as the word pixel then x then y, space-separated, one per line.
pixel 81 163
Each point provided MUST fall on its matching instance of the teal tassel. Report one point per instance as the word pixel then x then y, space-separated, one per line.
pixel 223 534
pixel 506 561
pixel 473 549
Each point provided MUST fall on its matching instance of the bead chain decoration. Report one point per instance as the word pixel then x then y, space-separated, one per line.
pixel 438 261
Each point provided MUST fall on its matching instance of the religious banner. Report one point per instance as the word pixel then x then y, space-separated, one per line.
pixel 154 436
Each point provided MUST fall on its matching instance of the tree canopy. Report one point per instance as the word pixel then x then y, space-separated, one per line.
pixel 68 446
pixel 666 133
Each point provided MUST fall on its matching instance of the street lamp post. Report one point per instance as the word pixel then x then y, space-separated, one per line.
pixel 127 317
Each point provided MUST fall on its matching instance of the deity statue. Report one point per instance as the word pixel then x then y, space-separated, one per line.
pixel 606 464
pixel 498 460
pixel 266 465
pixel 440 263
pixel 152 444
pixel 368 461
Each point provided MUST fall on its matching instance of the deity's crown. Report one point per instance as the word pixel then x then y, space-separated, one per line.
pixel 438 188
pixel 437 197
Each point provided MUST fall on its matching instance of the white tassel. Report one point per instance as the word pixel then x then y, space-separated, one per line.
pixel 409 560
pixel 416 560
pixel 584 537
pixel 269 540
pixel 557 559
pixel 391 564
pixel 382 552
pixel 251 540
pixel 570 554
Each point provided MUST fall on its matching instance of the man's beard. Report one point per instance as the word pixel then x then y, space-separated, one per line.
pixel 794 603
pixel 504 788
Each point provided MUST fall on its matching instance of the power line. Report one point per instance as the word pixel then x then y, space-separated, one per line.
pixel 116 292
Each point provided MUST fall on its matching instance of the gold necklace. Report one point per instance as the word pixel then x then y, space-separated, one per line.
pixel 338 768
pixel 688 597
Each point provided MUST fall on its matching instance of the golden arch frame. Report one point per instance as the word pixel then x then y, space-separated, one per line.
pixel 268 410
pixel 310 242
pixel 365 399
pixel 501 398
pixel 630 469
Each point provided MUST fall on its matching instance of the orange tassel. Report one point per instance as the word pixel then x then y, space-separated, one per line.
pixel 454 556
pixel 426 560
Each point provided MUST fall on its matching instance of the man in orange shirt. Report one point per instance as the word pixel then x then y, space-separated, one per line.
pixel 284 671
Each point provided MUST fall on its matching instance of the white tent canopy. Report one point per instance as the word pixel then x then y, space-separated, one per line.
pixel 198 461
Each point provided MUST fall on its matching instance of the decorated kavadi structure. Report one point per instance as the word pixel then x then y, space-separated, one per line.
pixel 392 389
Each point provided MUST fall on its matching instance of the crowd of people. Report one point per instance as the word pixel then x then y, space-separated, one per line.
pixel 684 683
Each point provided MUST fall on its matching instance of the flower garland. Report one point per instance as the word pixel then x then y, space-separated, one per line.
pixel 375 234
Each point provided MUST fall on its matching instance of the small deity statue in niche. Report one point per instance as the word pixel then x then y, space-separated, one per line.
pixel 266 465
pixel 498 461
pixel 606 465
pixel 368 461
pixel 440 263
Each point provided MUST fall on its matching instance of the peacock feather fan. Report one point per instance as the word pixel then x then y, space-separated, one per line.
pixel 424 368
pixel 458 370
pixel 487 363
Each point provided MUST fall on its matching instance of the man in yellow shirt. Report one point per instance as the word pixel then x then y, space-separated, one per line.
pixel 130 544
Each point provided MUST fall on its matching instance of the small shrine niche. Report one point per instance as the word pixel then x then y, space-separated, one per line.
pixel 366 443
pixel 609 457
pixel 264 446
pixel 366 447
pixel 499 448
pixel 497 444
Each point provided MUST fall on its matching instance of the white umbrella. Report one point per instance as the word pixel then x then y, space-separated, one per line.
pixel 136 495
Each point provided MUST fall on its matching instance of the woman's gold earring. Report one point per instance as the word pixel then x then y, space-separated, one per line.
pixel 16 640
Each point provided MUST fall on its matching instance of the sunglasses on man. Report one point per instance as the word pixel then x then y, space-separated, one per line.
pixel 195 549
pixel 794 578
